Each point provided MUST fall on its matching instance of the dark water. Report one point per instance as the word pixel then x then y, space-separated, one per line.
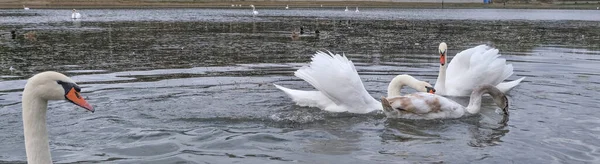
pixel 194 86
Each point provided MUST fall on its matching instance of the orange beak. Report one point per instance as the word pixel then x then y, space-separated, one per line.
pixel 442 58
pixel 75 98
pixel 430 90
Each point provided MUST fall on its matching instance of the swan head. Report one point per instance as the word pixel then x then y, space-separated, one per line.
pixel 443 50
pixel 55 86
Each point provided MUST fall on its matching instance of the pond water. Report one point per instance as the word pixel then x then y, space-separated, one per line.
pixel 195 85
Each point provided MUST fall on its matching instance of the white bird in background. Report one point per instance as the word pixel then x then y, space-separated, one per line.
pixel 254 12
pixel 471 68
pixel 346 8
pixel 356 9
pixel 287 7
pixel 232 5
pixel 40 89
pixel 26 8
pixel 75 14
pixel 12 69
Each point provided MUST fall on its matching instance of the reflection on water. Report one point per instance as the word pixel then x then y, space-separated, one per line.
pixel 169 91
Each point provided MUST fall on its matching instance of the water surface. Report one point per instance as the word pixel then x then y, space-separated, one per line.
pixel 195 85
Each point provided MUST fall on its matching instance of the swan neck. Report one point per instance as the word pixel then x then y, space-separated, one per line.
pixel 395 86
pixel 34 128
pixel 440 83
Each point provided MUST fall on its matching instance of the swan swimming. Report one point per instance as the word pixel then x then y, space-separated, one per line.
pixel 431 106
pixel 254 12
pixel 287 7
pixel 339 87
pixel 471 68
pixel 25 8
pixel 75 15
pixel 356 9
pixel 346 8
pixel 39 89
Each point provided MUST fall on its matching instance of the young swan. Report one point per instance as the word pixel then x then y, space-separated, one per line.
pixel 430 106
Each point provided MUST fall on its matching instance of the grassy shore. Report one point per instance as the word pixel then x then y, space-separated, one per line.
pixel 272 4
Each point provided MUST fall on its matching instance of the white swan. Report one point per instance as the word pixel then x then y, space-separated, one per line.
pixel 340 89
pixel 346 8
pixel 356 9
pixel 75 15
pixel 26 8
pixel 287 7
pixel 471 68
pixel 38 90
pixel 431 106
pixel 254 12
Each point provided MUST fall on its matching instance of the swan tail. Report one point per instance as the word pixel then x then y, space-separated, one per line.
pixel 506 86
pixel 310 99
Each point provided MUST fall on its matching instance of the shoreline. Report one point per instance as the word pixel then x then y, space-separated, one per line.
pixel 116 4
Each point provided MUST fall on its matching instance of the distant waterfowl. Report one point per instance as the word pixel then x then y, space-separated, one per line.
pixel 339 87
pixel 26 8
pixel 346 8
pixel 295 35
pixel 287 7
pixel 254 12
pixel 356 9
pixel 13 34
pixel 75 15
pixel 11 69
pixel 430 106
pixel 31 36
pixel 232 5
pixel 39 89
pixel 301 31
pixel 471 68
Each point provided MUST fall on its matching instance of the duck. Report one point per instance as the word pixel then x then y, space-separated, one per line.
pixel 431 106
pixel 31 36
pixel 339 87
pixel 40 89
pixel 295 35
pixel 471 68
pixel 75 14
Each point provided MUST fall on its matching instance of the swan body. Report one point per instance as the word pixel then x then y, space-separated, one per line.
pixel 431 106
pixel 356 10
pixel 75 15
pixel 38 91
pixel 346 8
pixel 254 12
pixel 25 8
pixel 471 68
pixel 287 7
pixel 339 87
